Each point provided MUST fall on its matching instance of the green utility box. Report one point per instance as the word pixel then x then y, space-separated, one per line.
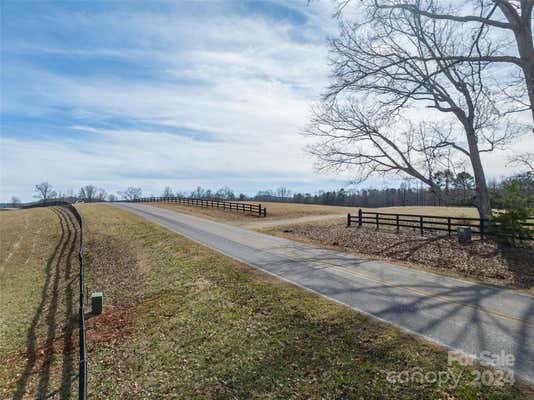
pixel 96 303
pixel 464 234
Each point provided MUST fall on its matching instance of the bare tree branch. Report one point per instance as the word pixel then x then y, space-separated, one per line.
pixel 523 160
pixel 402 58
pixel 413 8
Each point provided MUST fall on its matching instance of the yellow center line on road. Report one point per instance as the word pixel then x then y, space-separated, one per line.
pixel 419 292
pixel 341 270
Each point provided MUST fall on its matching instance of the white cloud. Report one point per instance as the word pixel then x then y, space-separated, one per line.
pixel 118 158
pixel 243 82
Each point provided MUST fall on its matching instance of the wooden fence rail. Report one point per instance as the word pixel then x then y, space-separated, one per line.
pixel 427 223
pixel 82 363
pixel 254 209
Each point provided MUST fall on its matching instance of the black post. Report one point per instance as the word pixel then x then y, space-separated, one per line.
pixel 259 209
pixel 360 217
pixel 421 224
pixel 449 226
pixel 397 221
pixel 82 378
pixel 348 219
pixel 377 223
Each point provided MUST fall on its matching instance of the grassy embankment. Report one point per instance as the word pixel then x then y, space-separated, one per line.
pixel 182 321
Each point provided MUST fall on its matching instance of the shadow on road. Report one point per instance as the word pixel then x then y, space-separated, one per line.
pixel 518 260
pixel 473 318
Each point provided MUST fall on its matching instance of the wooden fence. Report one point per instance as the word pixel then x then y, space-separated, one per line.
pixel 82 362
pixel 426 223
pixel 254 209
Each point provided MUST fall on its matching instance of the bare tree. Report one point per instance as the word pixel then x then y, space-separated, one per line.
pixel 283 192
pixel 15 201
pixel 367 144
pixel 525 161
pixel 167 192
pixel 44 191
pixel 225 193
pixel 495 32
pixel 198 193
pixel 131 193
pixel 386 70
pixel 101 195
pixel 88 193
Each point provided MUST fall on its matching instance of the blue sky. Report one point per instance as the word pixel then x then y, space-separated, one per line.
pixel 155 94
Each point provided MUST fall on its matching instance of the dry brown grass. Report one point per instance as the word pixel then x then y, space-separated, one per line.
pixel 456 212
pixel 38 307
pixel 286 211
pixel 29 242
pixel 214 214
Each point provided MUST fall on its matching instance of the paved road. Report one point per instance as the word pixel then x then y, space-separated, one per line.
pixel 469 317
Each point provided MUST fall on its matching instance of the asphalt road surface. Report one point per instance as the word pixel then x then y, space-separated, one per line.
pixel 479 320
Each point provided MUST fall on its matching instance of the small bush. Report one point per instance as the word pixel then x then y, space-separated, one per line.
pixel 508 225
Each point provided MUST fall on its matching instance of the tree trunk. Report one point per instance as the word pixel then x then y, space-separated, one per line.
pixel 525 47
pixel 481 188
pixel 528 70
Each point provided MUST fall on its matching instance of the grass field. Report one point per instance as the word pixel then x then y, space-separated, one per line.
pixel 182 321
pixel 283 211
pixel 39 302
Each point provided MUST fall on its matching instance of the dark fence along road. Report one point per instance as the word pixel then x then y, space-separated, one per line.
pixel 82 373
pixel 254 209
pixel 427 223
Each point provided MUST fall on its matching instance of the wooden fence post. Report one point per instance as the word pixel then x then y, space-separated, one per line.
pixel 360 217
pixel 449 226
pixel 348 219
pixel 377 223
pixel 397 221
pixel 421 224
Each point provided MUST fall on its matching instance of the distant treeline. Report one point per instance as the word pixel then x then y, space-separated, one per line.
pixel 458 190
